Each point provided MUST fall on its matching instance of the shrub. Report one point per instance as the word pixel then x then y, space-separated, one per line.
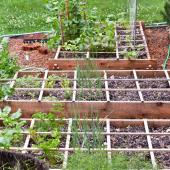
pixel 166 12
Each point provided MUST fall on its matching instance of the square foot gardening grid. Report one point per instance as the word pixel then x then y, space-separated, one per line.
pixel 129 136
pixel 113 92
pixel 128 54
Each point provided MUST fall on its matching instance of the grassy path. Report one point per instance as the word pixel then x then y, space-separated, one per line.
pixel 18 16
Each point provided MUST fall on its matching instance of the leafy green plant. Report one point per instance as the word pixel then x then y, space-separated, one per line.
pixel 8 64
pixel 51 81
pixel 12 127
pixel 86 160
pixel 130 54
pixel 45 123
pixel 66 85
pixel 166 12
pixel 69 21
pixel 8 67
pixel 79 29
pixel 5 90
pixel 48 123
pixel 28 82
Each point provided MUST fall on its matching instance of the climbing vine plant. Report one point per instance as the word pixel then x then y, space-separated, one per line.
pixel 78 30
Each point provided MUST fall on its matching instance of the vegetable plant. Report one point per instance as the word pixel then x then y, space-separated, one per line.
pixel 5 90
pixel 8 67
pixel 28 81
pixel 47 123
pixel 8 64
pixel 78 30
pixel 12 127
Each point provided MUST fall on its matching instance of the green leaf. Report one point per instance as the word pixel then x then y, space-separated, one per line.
pixel 6 110
pixel 16 115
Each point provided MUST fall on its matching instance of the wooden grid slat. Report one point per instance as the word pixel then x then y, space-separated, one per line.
pixel 150 144
pixel 106 87
pixel 138 86
pixel 57 53
pixel 144 40
pixel 67 144
pixel 43 85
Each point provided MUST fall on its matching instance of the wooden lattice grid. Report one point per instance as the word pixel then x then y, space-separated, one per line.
pixel 147 124
pixel 136 77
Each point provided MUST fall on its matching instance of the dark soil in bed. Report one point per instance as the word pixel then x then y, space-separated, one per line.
pixel 128 141
pixel 161 141
pixel 158 41
pixel 154 83
pixel 156 95
pixel 103 55
pixel 72 55
pixel 122 84
pixel 63 95
pixel 119 84
pixel 36 59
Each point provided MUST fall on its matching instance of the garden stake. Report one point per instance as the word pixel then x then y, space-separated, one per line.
pixel 61 28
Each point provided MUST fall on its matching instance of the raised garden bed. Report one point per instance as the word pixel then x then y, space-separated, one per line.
pixel 149 137
pixel 126 56
pixel 115 94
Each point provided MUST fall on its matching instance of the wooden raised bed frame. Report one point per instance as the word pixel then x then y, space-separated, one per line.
pixel 107 108
pixel 115 62
pixel 109 149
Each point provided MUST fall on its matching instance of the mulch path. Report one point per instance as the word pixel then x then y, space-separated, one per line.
pixel 158 41
pixel 36 59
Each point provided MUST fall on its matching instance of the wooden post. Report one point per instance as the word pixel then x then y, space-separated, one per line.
pixel 67 8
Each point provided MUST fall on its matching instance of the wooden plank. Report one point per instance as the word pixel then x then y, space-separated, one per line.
pixel 108 140
pixel 117 51
pixel 138 86
pixel 167 76
pixel 43 86
pixel 153 160
pixel 106 87
pixel 144 39
pixel 74 86
pixel 88 55
pixel 104 64
pixel 119 110
pixel 67 144
pixel 57 53
pixel 28 137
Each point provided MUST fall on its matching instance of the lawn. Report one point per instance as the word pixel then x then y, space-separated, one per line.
pixel 18 16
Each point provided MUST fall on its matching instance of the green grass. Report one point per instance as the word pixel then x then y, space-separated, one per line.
pixel 18 16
